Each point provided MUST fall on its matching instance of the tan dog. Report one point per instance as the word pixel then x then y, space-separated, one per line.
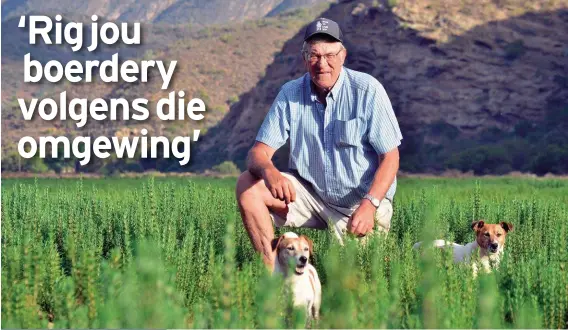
pixel 489 241
pixel 304 281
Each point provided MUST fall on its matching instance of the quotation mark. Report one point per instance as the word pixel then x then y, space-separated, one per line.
pixel 22 22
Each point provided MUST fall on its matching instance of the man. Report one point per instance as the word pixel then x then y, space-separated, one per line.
pixel 344 140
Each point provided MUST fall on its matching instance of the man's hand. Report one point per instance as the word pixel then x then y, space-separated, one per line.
pixel 260 165
pixel 280 187
pixel 362 220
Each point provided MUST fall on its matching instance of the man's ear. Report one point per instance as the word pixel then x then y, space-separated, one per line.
pixel 310 244
pixel 477 225
pixel 506 225
pixel 275 242
pixel 306 65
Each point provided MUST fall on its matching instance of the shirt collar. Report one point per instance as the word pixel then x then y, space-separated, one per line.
pixel 334 90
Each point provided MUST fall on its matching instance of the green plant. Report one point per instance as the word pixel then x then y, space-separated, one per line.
pixel 167 252
pixel 392 3
pixel 226 167
pixel 233 99
pixel 218 109
pixel 514 50
pixel 226 38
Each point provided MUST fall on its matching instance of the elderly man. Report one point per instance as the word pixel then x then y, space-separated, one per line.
pixel 344 140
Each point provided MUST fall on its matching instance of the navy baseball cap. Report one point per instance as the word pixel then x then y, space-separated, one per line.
pixel 324 26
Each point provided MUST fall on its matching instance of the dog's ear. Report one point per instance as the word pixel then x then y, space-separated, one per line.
pixel 310 244
pixel 477 225
pixel 275 242
pixel 506 225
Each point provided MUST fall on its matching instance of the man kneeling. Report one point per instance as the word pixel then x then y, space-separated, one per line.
pixel 344 157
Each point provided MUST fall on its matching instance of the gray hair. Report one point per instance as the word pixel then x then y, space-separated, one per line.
pixel 316 40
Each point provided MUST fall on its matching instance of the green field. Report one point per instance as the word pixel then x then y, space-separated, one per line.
pixel 172 253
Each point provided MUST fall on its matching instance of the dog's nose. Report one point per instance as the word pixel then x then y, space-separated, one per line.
pixel 303 259
pixel 494 246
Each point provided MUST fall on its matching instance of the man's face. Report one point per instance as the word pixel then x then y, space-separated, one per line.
pixel 324 73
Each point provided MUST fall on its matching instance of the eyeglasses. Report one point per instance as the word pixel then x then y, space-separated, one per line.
pixel 313 58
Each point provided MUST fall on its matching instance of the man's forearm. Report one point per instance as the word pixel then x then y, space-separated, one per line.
pixel 385 174
pixel 257 162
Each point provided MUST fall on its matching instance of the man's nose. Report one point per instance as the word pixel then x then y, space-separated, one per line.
pixel 322 62
pixel 303 259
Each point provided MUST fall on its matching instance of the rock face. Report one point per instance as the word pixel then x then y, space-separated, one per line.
pixel 198 12
pixel 465 68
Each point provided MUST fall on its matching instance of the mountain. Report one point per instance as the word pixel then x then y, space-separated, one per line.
pixel 476 85
pixel 196 12
pixel 459 74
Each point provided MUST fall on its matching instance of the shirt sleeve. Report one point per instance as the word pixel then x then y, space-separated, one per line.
pixel 384 132
pixel 275 128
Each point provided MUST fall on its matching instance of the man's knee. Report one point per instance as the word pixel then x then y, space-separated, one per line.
pixel 246 185
pixel 252 190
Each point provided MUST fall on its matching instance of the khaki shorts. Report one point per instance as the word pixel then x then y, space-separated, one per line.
pixel 310 211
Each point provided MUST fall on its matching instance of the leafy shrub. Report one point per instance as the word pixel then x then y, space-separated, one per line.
pixel 441 128
pixel 482 160
pixel 233 99
pixel 553 159
pixel 226 38
pixel 514 50
pixel 218 109
pixel 11 160
pixel 392 3
pixel 227 167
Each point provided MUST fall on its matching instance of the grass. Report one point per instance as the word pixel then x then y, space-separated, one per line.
pixel 171 252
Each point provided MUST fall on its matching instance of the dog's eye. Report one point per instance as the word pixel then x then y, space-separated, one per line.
pixel 499 235
pixel 486 234
pixel 306 249
pixel 291 248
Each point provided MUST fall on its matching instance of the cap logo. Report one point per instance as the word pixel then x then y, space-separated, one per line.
pixel 322 25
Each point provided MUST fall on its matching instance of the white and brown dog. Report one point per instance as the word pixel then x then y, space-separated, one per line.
pixel 489 241
pixel 293 252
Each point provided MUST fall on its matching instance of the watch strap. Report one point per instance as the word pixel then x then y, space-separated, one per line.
pixel 373 200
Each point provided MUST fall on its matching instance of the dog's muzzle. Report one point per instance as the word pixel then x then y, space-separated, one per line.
pixel 301 265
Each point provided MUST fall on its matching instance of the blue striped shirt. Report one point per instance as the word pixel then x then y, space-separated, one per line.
pixel 335 148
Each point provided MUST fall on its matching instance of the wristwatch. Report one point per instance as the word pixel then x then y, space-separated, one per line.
pixel 373 200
